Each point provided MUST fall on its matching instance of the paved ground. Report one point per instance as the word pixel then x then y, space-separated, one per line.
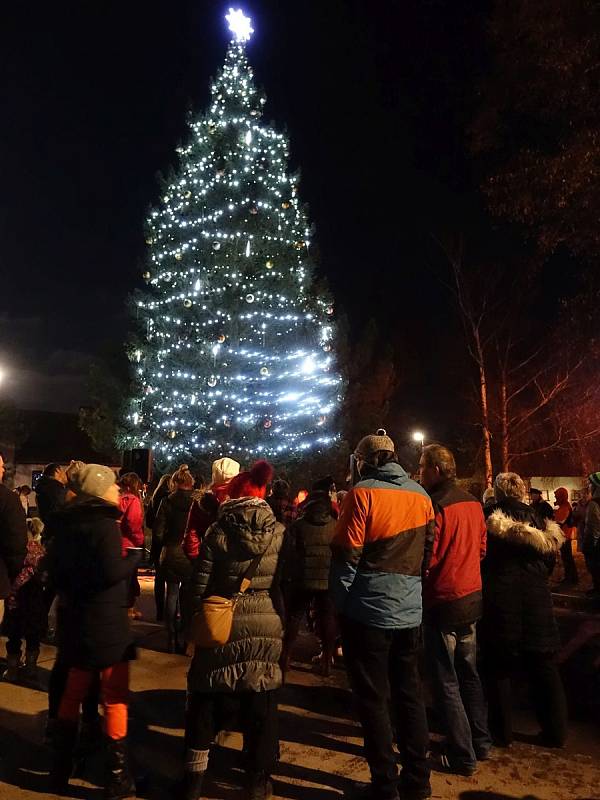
pixel 321 745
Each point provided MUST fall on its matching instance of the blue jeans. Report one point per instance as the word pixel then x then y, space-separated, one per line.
pixel 452 658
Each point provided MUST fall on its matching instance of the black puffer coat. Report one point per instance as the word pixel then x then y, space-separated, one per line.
pixel 517 605
pixel 312 534
pixel 250 660
pixel 169 530
pixel 13 539
pixel 86 566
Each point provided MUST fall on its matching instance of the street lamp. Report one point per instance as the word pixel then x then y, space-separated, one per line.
pixel 419 437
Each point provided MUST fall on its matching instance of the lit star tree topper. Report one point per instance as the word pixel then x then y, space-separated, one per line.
pixel 235 348
pixel 240 25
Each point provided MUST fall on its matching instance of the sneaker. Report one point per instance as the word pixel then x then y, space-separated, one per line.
pixel 466 770
pixel 483 754
pixel 365 791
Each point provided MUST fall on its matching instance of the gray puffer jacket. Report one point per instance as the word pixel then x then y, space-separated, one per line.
pixel 250 659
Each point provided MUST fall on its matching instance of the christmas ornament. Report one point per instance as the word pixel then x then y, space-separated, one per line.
pixel 329 310
pixel 187 302
pixel 327 347
pixel 264 371
pixel 285 204
pixel 220 173
pixel 187 195
pixel 212 381
pixel 172 434
pixel 178 256
pixel 299 245
pixel 267 424
pixel 146 276
pixel 227 422
pixel 269 265
pixel 149 240
pixel 212 127
pixel 254 210
pixel 221 338
pixel 249 298
pixel 217 246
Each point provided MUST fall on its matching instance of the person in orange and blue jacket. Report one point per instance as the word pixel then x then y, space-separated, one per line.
pixel 382 543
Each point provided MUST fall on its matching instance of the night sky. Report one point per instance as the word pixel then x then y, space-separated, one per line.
pixel 374 97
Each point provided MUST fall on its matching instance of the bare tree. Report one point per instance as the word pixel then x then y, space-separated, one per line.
pixel 475 303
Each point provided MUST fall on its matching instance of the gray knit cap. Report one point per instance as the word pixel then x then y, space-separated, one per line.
pixel 369 445
pixel 94 480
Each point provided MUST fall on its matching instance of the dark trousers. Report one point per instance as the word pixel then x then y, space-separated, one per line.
pixel 326 622
pixel 566 553
pixel 258 714
pixel 452 659
pixel 172 607
pixel 545 688
pixel 384 675
pixel 593 566
pixel 56 688
pixel 160 586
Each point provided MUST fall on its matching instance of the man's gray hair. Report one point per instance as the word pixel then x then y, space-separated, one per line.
pixel 509 484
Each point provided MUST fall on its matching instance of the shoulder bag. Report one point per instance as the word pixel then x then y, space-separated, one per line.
pixel 211 626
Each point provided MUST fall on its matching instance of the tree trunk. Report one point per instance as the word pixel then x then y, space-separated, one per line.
pixel 504 434
pixel 485 415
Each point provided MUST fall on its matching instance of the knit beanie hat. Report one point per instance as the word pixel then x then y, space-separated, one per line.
pixel 94 480
pixel 594 479
pixel 223 470
pixel 369 445
pixel 252 483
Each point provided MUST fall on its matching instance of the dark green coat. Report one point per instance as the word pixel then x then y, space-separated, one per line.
pixel 312 534
pixel 250 660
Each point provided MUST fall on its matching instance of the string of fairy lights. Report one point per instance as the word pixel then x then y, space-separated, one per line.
pixel 236 354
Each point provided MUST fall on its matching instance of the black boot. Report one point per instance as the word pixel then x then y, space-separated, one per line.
pixel 260 786
pixel 64 736
pixel 119 783
pixel 190 787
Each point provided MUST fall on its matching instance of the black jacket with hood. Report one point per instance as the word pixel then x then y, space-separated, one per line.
pixel 87 567
pixel 312 534
pixel 517 605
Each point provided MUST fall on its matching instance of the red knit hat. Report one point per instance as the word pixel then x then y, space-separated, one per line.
pixel 252 482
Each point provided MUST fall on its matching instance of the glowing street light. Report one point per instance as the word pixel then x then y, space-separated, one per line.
pixel 418 437
pixel 239 24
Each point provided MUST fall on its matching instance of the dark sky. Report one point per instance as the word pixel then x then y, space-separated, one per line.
pixel 374 97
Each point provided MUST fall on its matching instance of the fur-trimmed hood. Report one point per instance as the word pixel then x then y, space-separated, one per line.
pixel 514 532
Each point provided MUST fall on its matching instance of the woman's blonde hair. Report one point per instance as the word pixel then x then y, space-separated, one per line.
pixel 183 478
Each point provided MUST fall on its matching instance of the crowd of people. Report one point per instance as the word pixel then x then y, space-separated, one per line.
pixel 382 572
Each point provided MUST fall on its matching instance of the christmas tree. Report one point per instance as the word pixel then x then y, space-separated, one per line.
pixel 235 354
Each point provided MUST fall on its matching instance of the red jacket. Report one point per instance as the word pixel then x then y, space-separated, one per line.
pixel 132 521
pixel 452 587
pixel 203 513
